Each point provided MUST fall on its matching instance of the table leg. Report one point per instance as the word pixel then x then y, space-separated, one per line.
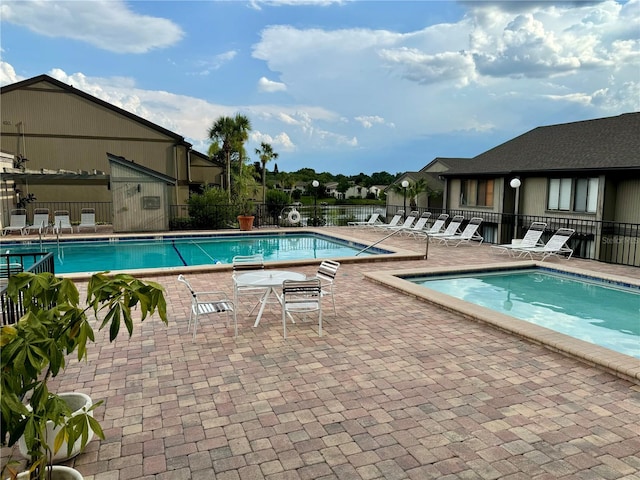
pixel 263 303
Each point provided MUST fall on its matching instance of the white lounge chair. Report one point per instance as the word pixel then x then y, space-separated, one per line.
pixel 419 226
pixel 203 303
pixel 395 221
pixel 40 222
pixel 404 225
pixel 555 246
pixel 61 222
pixel 17 222
pixel 435 228
pixel 469 233
pixel 452 229
pixel 530 239
pixel 301 296
pixel 372 221
pixel 88 219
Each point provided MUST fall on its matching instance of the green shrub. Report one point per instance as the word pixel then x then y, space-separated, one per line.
pixel 210 209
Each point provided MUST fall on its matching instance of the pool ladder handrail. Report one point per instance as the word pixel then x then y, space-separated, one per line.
pixel 377 242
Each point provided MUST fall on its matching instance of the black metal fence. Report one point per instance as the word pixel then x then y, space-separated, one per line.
pixel 611 242
pixel 10 264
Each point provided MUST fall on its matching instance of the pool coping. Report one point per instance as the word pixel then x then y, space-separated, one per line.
pixel 619 364
pixel 396 255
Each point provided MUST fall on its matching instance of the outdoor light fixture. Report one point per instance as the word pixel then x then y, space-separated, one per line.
pixel 515 183
pixel 405 184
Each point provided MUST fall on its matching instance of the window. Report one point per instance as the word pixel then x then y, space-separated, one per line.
pixel 476 193
pixel 582 191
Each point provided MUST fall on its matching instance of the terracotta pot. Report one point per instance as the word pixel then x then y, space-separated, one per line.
pixel 246 222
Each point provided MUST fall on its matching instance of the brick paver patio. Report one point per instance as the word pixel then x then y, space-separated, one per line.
pixel 395 389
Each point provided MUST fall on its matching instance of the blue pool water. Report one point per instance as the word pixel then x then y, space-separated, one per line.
pixel 165 252
pixel 600 312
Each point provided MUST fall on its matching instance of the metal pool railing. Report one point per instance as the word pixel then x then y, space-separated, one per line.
pixel 11 264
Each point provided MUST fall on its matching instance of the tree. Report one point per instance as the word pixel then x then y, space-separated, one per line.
pixel 230 134
pixel 266 154
pixel 243 127
pixel 343 186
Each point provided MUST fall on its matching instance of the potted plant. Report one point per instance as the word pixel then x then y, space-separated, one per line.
pixel 245 208
pixel 245 189
pixel 34 351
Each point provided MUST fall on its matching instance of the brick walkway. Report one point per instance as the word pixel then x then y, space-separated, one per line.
pixel 395 389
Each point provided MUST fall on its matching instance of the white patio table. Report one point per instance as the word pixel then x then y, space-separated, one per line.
pixel 270 280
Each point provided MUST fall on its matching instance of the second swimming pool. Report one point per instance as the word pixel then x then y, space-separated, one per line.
pixel 178 251
pixel 603 313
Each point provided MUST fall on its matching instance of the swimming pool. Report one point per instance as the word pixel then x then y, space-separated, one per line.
pixel 115 254
pixel 503 316
pixel 603 313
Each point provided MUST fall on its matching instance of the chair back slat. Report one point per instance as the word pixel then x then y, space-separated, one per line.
pixel 328 269
pixel 248 262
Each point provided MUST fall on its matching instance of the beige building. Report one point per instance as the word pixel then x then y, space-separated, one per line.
pixel 65 134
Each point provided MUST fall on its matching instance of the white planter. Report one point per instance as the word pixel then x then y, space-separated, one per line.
pixel 58 472
pixel 76 402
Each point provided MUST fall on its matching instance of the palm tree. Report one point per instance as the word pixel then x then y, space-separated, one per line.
pixel 231 133
pixel 223 132
pixel 243 127
pixel 266 154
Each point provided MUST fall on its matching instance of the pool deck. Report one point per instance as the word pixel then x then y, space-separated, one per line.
pixel 396 388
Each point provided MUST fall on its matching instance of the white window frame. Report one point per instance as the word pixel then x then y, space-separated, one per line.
pixel 563 194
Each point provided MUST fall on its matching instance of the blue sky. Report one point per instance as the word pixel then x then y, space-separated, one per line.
pixel 339 86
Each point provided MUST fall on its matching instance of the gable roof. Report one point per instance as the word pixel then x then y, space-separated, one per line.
pixel 610 143
pixel 30 82
pixel 140 168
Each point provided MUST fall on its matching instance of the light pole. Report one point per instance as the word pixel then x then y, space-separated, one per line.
pixel 405 184
pixel 315 184
pixel 515 183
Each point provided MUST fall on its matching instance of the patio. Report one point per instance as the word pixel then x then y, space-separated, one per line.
pixel 395 389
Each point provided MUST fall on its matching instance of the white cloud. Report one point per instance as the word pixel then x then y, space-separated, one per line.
pixel 8 74
pixel 266 85
pixel 107 24
pixel 207 66
pixel 368 121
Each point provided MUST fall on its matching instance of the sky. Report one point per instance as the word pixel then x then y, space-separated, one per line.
pixel 339 86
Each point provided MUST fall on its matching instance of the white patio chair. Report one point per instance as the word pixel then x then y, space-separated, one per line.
pixel 17 222
pixel 530 239
pixel 395 221
pixel 469 233
pixel 212 302
pixel 326 273
pixel 301 296
pixel 435 228
pixel 40 221
pixel 418 226
pixel 373 219
pixel 61 221
pixel 408 222
pixel 555 246
pixel 244 264
pixel 88 219
pixel 452 229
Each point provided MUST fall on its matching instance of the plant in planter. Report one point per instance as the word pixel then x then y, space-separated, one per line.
pixel 245 188
pixel 34 350
pixel 245 208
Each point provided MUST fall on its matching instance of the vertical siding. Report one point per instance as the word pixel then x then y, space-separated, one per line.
pixel 131 189
pixel 628 201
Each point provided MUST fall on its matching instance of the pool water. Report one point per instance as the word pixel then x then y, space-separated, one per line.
pixel 167 252
pixel 599 312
